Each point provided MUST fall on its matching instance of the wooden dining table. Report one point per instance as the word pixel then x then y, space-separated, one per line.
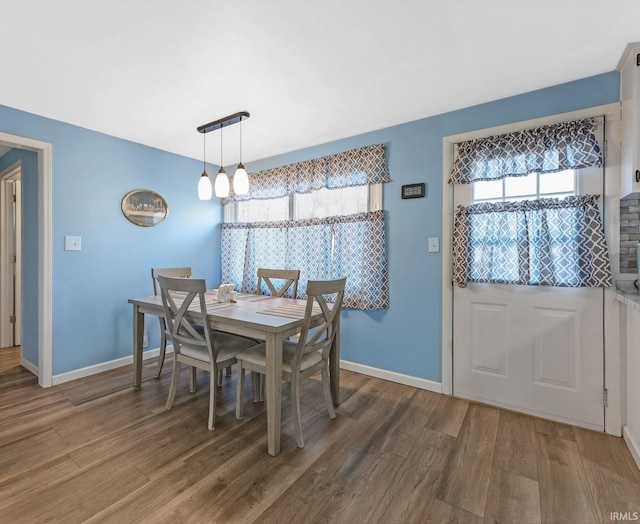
pixel 259 317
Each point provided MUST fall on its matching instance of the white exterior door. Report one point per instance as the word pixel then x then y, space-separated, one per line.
pixel 535 349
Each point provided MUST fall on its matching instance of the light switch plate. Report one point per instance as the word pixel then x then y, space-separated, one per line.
pixel 434 244
pixel 72 243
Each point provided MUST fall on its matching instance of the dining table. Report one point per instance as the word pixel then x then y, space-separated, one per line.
pixel 260 317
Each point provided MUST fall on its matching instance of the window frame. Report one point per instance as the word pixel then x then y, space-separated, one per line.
pixel 374 203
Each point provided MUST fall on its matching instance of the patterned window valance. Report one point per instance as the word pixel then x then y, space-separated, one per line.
pixel 546 149
pixel 358 167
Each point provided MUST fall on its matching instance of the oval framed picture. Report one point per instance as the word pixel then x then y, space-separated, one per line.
pixel 144 208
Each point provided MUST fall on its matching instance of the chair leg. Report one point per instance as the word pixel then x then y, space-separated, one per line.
pixel 228 373
pixel 240 391
pixel 163 349
pixel 175 379
pixel 297 418
pixel 255 386
pixel 213 385
pixel 326 386
pixel 192 380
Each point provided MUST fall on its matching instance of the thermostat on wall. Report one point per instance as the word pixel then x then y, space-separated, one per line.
pixel 413 190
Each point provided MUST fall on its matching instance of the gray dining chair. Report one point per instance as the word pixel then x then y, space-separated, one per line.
pixel 306 356
pixel 194 342
pixel 290 277
pixel 180 272
pixel 278 282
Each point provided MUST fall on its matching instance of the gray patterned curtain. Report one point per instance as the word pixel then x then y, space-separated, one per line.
pixel 358 167
pixel 546 149
pixel 535 242
pixel 352 246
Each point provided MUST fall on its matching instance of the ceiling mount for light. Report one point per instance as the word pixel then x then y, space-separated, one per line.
pixel 241 181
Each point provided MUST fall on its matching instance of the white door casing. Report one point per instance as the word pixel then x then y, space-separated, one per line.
pixel 44 151
pixel 522 347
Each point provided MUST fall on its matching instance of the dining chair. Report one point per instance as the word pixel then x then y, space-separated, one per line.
pixel 306 357
pixel 194 342
pixel 290 277
pixel 181 272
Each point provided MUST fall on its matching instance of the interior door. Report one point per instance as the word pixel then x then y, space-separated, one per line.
pixel 535 349
pixel 11 257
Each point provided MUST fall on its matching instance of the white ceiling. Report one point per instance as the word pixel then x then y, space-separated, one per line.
pixel 308 71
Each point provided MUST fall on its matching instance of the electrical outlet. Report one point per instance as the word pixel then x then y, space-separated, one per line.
pixel 434 244
pixel 72 243
pixel 145 339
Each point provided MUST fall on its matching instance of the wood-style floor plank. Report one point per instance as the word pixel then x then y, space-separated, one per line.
pixel 512 498
pixel 98 450
pixel 565 495
pixel 611 478
pixel 517 443
pixel 465 484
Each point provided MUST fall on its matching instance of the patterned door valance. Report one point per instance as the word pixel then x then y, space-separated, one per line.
pixel 534 242
pixel 546 149
pixel 357 167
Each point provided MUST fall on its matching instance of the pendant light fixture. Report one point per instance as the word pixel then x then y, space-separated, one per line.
pixel 204 185
pixel 241 185
pixel 222 180
pixel 240 178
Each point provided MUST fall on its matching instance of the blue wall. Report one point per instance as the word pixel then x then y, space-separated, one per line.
pixel 92 172
pixel 29 247
pixel 406 338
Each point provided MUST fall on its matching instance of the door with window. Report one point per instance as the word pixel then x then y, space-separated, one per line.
pixel 536 348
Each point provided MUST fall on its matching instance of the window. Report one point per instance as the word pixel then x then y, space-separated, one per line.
pixel 529 187
pixel 323 217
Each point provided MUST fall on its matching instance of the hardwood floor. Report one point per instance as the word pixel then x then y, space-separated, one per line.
pixel 98 450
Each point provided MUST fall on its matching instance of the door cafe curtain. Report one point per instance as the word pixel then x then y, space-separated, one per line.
pixel 351 246
pixel 549 241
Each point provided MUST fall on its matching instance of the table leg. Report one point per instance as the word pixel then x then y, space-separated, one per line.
pixel 274 391
pixel 334 367
pixel 138 333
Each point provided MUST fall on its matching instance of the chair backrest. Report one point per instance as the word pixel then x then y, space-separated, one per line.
pixel 320 338
pixel 290 277
pixel 178 296
pixel 182 272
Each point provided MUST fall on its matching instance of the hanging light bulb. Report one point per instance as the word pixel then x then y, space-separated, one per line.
pixel 240 178
pixel 222 184
pixel 204 184
pixel 205 191
pixel 222 180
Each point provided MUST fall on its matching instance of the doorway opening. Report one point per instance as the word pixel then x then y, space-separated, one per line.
pixel 43 367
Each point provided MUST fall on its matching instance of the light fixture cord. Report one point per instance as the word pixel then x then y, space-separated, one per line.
pixel 241 140
pixel 204 152
pixel 221 162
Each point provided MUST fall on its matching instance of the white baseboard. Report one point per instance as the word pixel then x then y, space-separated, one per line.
pixel 391 376
pixel 29 366
pixel 632 444
pixel 104 366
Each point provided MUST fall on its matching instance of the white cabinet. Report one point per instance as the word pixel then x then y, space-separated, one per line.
pixel 629 67
pixel 631 429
